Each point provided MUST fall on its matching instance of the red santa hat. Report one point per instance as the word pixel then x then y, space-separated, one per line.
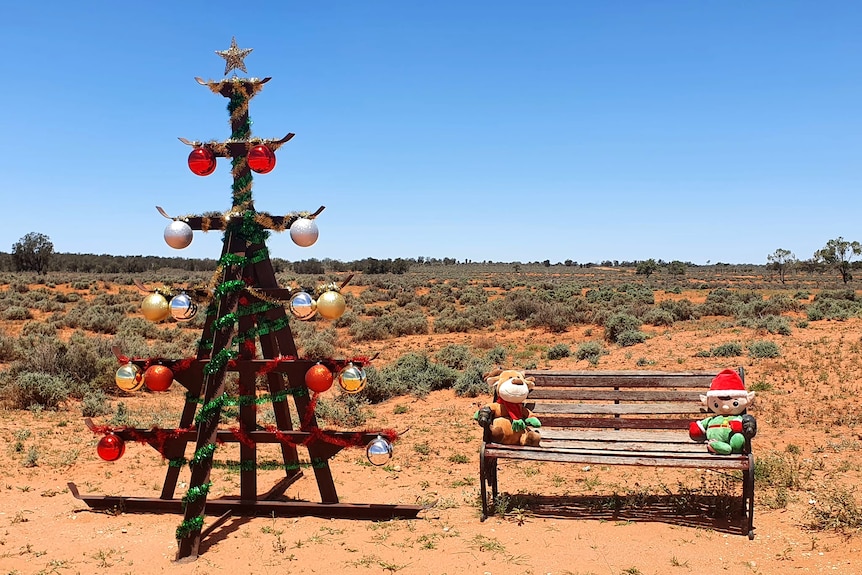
pixel 727 384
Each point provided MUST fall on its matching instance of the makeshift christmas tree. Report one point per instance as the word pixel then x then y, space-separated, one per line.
pixel 244 307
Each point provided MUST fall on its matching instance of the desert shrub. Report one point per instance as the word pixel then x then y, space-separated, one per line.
pixel 346 410
pixel 8 349
pixel 496 355
pixel 472 296
pixel 719 301
pixel 399 323
pixel 70 297
pixel 95 403
pixel 590 351
pixel 682 310
pixel 835 508
pixel 32 388
pixel 770 323
pixel 471 381
pixel 559 351
pixel 412 373
pixel 521 305
pixel 631 337
pixel 320 345
pixel 456 356
pixel 658 316
pixel 832 309
pixel 763 349
pixel 452 322
pixel 619 323
pixel 17 313
pixel 730 349
pixel 137 326
pixel 551 316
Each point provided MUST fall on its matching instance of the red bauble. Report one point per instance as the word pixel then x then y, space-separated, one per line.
pixel 158 378
pixel 111 447
pixel 202 162
pixel 318 378
pixel 261 159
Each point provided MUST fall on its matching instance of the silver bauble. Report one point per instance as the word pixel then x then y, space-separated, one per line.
pixel 302 306
pixel 183 308
pixel 379 451
pixel 178 234
pixel 303 232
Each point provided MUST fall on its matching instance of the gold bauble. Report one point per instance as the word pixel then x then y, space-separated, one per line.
pixel 352 379
pixel 331 305
pixel 128 377
pixel 155 307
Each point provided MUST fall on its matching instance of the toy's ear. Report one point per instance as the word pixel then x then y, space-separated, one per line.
pixel 493 373
pixel 530 382
pixel 750 396
pixel 704 399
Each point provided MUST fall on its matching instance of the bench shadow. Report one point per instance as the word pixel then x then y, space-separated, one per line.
pixel 714 512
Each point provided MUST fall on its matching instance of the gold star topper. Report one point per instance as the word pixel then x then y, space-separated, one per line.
pixel 234 57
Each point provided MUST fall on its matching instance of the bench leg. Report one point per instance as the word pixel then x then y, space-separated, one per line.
pixel 487 476
pixel 748 495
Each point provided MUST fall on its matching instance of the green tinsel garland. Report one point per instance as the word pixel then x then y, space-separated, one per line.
pixel 189 525
pixel 219 360
pixel 241 400
pixel 203 453
pixel 210 409
pixel 195 493
pixel 225 321
pixel 229 286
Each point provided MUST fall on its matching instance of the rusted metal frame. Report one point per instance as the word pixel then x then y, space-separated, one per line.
pixel 213 386
pixel 371 511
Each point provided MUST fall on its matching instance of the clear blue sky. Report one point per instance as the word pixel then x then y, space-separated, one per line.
pixel 484 130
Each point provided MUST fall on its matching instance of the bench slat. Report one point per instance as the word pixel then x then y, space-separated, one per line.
pixel 611 435
pixel 623 379
pixel 622 458
pixel 616 409
pixel 613 422
pixel 639 446
pixel 594 394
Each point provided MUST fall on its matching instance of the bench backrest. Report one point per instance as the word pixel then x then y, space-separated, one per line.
pixel 619 399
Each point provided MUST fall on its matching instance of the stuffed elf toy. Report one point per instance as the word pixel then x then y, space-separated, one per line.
pixel 726 431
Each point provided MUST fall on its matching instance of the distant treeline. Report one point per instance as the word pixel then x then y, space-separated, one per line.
pixel 108 264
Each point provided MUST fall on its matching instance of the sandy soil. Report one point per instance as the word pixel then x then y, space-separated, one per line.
pixel 805 415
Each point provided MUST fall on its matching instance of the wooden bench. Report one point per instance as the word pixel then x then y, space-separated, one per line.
pixel 618 418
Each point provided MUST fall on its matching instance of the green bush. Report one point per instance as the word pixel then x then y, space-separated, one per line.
pixel 471 381
pixel 619 323
pixel 412 373
pixel 456 356
pixel 590 351
pixel 36 389
pixel 631 337
pixel 17 313
pixel 730 349
pixel 763 349
pixel 94 404
pixel 658 316
pixel 559 351
pixel 496 355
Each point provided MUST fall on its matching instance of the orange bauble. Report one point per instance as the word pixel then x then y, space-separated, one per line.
pixel 318 378
pixel 158 378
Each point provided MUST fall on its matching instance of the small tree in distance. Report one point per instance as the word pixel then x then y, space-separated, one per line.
pixel 647 268
pixel 32 253
pixel 838 253
pixel 781 260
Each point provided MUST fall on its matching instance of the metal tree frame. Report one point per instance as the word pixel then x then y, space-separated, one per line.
pixel 205 381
